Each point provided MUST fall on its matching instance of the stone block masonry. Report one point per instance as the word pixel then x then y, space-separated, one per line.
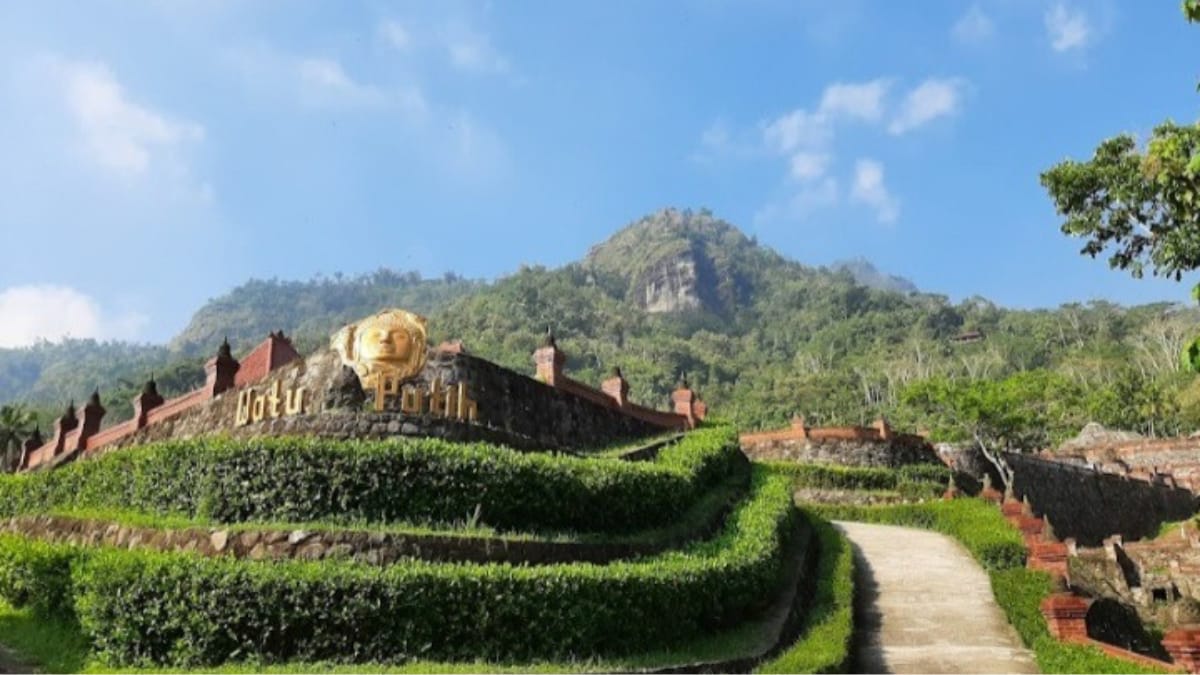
pixel 1089 505
pixel 323 397
pixel 875 446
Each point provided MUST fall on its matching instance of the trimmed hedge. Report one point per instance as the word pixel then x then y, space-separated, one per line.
pixel 825 639
pixel 141 607
pixel 407 480
pixel 913 479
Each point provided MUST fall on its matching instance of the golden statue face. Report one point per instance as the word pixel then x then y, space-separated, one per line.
pixel 391 342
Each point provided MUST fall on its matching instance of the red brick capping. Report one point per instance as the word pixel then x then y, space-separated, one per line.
pixel 1066 616
pixel 689 410
pixel 78 430
pixel 1183 644
pixel 800 431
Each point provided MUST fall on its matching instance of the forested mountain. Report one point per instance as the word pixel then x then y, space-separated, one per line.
pixel 761 336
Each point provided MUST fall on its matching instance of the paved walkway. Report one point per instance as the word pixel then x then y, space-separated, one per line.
pixel 925 606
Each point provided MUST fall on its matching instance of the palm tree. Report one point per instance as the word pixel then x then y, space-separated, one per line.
pixel 16 423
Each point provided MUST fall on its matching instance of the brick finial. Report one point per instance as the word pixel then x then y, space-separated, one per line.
pixel 221 370
pixel 549 359
pixel 800 426
pixel 66 423
pixel 147 400
pixel 616 387
pixel 884 429
pixel 1066 616
pixel 684 400
pixel 1183 644
pixel 32 443
pixel 93 413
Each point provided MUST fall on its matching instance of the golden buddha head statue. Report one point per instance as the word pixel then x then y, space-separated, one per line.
pixel 391 342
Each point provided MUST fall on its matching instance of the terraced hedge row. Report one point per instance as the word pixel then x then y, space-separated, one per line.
pixel 405 480
pixel 139 607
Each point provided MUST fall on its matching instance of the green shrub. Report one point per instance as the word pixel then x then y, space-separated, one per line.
pixel 37 575
pixel 926 473
pixel 835 477
pixel 406 480
pixel 141 607
pixel 914 481
pixel 825 638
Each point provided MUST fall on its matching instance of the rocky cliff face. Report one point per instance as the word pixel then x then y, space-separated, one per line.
pixel 675 260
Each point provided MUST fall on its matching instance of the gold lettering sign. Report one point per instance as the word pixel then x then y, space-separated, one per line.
pixel 390 344
pixel 255 406
pixel 438 400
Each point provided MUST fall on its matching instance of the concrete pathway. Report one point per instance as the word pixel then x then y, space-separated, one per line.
pixel 925 606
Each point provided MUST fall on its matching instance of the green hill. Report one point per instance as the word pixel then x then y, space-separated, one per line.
pixel 676 292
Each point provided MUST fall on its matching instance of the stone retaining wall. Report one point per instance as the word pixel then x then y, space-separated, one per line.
pixel 1088 505
pixel 512 409
pixel 891 453
pixel 370 547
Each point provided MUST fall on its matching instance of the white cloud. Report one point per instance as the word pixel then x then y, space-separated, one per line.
pixel 325 81
pixel 802 203
pixel 840 101
pixel 394 34
pixel 798 128
pixel 807 166
pixel 1067 28
pixel 117 133
pixel 473 51
pixel 31 313
pixel 869 189
pixel 931 99
pixel 973 27
pixel 863 101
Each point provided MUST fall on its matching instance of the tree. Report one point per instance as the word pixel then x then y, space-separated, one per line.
pixel 16 423
pixel 999 416
pixel 1143 207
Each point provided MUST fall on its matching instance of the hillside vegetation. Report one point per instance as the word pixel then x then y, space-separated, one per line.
pixel 682 292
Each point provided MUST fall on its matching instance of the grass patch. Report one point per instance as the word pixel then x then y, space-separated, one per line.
pixel 52 645
pixel 828 628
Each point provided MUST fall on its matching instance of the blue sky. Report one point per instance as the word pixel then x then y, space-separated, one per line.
pixel 158 153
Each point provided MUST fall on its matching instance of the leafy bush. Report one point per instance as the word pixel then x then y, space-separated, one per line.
pixel 415 480
pixel 824 644
pixel 925 473
pixel 36 574
pixel 140 607
pixel 913 481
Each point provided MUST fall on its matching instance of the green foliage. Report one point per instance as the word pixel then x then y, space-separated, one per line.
pixel 140 607
pixel 16 424
pixel 771 338
pixel 825 638
pixel 913 482
pixel 413 480
pixel 37 575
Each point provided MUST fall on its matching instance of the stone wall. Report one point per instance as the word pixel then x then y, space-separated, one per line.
pixel 512 409
pixel 1088 505
pixel 371 547
pixel 849 446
